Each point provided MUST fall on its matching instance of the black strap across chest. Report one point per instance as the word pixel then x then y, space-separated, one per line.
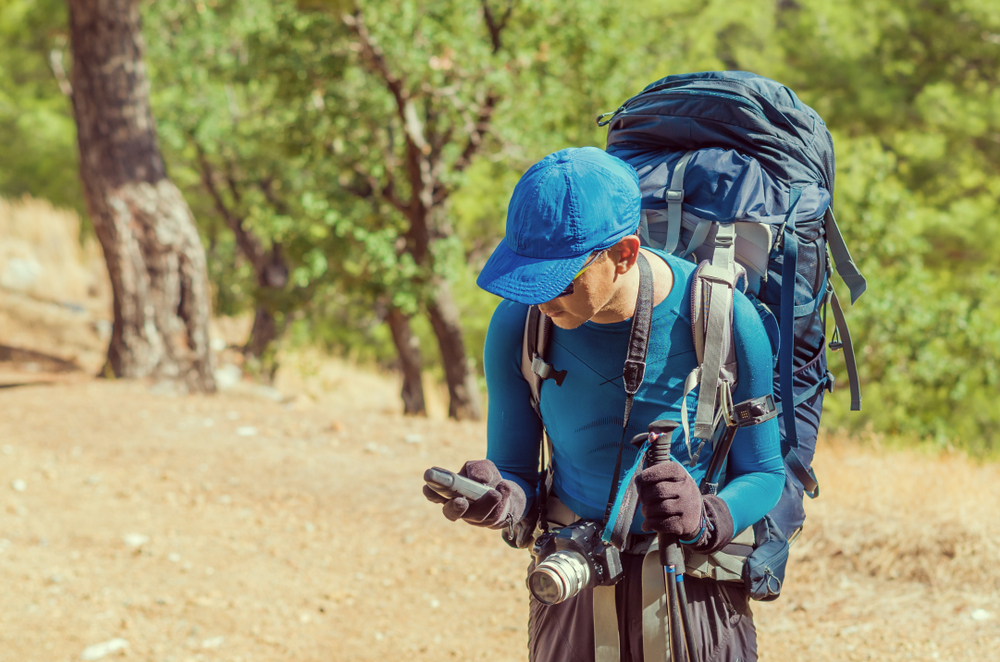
pixel 635 362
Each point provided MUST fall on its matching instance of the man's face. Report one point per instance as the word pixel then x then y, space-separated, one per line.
pixel 591 292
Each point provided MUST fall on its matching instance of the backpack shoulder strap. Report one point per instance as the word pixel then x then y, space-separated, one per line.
pixel 530 347
pixel 534 351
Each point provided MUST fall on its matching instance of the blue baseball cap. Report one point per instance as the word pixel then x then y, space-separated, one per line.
pixel 567 206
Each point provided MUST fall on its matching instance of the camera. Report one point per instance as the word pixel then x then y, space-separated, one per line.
pixel 571 559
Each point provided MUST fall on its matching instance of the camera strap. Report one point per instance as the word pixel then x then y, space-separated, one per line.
pixel 635 366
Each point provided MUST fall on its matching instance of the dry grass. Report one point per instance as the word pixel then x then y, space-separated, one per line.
pixel 899 560
pixel 933 519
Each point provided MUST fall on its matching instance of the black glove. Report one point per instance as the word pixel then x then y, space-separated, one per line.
pixel 501 506
pixel 673 504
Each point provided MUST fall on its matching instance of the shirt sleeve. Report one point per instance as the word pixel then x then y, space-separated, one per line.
pixel 755 473
pixel 513 430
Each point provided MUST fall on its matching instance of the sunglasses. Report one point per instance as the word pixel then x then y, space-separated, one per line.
pixel 586 265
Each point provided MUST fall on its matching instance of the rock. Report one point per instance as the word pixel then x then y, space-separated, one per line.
pixel 213 642
pixel 7 449
pixel 413 438
pixel 20 274
pixel 103 329
pixel 246 431
pixel 269 393
pixel 174 557
pixel 97 651
pixel 981 615
pixel 167 388
pixel 19 485
pixel 135 539
pixel 227 376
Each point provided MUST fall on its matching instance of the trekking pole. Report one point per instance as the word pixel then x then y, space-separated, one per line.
pixel 710 483
pixel 682 648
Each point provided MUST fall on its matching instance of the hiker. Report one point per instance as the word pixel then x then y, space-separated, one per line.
pixel 572 249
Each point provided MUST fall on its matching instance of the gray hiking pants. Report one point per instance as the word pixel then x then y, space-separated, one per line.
pixel 719 611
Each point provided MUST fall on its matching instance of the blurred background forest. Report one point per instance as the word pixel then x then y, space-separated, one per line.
pixel 348 165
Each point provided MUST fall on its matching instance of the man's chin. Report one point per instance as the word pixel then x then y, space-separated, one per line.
pixel 566 321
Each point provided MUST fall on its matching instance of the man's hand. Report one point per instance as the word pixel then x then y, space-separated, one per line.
pixel 671 501
pixel 673 504
pixel 503 504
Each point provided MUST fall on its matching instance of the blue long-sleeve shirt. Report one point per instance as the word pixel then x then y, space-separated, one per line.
pixel 584 415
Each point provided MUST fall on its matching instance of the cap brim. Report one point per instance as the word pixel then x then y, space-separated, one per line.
pixel 527 280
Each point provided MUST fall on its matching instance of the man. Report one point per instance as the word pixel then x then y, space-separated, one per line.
pixel 571 248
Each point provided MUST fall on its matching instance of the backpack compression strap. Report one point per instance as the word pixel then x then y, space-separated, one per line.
pixel 712 290
pixel 851 275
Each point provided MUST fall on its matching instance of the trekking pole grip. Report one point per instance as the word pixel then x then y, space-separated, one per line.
pixel 671 556
pixel 660 434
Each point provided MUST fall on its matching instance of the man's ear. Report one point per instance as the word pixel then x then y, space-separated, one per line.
pixel 626 252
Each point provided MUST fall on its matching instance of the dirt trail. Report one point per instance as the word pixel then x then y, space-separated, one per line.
pixel 295 530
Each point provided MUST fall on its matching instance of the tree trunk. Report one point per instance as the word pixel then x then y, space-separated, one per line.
pixel 463 392
pixel 258 348
pixel 154 256
pixel 272 276
pixel 408 348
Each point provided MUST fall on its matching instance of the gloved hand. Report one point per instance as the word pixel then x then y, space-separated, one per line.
pixel 671 501
pixel 503 504
pixel 673 504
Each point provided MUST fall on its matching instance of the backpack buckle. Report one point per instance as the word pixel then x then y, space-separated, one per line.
pixel 540 367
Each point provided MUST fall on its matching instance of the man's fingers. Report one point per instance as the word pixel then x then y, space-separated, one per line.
pixel 669 525
pixel 661 511
pixel 433 496
pixel 481 471
pixel 455 508
pixel 660 492
pixel 669 472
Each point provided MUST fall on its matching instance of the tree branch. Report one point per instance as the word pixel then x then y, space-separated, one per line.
pixel 59 71
pixel 478 132
pixel 265 187
pixel 375 58
pixel 372 185
pixel 247 243
pixel 496 26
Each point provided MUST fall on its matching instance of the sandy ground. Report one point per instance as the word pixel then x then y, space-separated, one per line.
pixel 238 527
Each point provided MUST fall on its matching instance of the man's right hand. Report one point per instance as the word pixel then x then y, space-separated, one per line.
pixel 503 504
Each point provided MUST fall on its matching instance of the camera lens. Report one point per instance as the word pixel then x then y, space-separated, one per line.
pixel 560 576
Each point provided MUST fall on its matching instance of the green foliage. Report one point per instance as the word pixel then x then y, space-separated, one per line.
pixel 277 103
pixel 911 91
pixel 37 134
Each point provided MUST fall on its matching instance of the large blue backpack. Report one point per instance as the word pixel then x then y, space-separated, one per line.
pixel 737 175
